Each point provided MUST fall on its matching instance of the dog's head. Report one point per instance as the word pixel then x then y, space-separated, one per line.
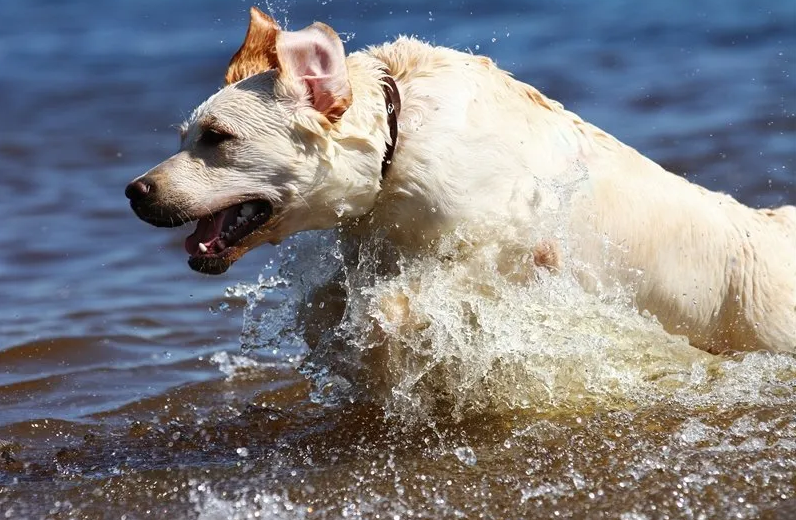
pixel 268 155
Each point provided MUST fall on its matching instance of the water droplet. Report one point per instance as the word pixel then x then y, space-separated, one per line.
pixel 466 455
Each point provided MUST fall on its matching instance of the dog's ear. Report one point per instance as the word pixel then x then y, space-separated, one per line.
pixel 316 56
pixel 258 52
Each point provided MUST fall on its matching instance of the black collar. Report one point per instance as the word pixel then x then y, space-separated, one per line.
pixel 392 100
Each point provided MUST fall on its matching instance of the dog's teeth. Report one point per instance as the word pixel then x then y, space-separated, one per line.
pixel 241 220
pixel 246 210
pixel 202 247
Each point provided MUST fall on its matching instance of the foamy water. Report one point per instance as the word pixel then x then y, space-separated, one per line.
pixel 451 329
pixel 590 397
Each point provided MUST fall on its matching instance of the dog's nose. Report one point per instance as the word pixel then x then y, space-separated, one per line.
pixel 137 190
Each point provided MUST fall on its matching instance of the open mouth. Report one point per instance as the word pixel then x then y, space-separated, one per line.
pixel 213 245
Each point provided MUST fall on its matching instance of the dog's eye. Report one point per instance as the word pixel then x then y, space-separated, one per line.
pixel 212 137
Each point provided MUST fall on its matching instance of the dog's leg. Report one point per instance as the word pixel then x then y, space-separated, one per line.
pixel 322 312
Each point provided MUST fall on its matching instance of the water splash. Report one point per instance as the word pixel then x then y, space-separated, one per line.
pixel 278 10
pixel 211 505
pixel 466 455
pixel 474 328
pixel 234 366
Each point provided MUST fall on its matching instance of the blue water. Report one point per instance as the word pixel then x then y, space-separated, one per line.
pixel 99 311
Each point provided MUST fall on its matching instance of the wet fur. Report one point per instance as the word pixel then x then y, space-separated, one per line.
pixel 479 147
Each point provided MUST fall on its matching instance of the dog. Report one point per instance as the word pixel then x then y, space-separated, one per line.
pixel 411 141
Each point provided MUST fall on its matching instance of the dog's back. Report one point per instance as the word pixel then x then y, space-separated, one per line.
pixel 477 144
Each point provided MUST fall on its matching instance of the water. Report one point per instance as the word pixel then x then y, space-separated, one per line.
pixel 124 389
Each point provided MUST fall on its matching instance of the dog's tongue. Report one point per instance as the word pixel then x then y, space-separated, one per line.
pixel 208 230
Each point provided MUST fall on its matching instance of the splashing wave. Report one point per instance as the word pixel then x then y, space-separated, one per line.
pixel 457 333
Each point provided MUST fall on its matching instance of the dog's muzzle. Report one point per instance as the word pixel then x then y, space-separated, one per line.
pixel 143 201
